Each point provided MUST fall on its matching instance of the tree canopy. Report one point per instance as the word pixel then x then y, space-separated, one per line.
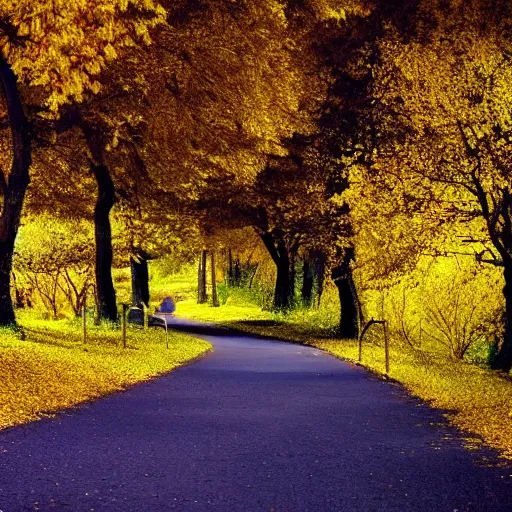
pixel 354 137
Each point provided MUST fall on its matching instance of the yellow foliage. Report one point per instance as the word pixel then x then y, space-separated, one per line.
pixel 449 305
pixel 66 43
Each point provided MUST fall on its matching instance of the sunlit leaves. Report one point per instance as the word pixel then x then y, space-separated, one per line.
pixel 62 46
pixel 442 116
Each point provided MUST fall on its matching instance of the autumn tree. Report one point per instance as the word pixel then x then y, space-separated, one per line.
pixel 443 114
pixel 347 51
pixel 286 205
pixel 230 93
pixel 336 41
pixel 148 226
pixel 192 99
pixel 54 258
pixel 57 49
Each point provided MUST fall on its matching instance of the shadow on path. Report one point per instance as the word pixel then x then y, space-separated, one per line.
pixel 210 329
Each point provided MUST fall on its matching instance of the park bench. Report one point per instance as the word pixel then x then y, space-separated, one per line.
pixel 136 316
pixel 167 307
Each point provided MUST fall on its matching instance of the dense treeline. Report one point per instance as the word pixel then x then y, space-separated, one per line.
pixel 365 143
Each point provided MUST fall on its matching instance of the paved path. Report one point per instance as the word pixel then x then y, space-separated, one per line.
pixel 255 426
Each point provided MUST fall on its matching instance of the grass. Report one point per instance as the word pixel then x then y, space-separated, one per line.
pixel 478 401
pixel 181 286
pixel 51 369
pixel 226 313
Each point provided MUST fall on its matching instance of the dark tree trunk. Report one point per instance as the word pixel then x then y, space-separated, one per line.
pixel 6 307
pixel 284 289
pixel 348 327
pixel 349 303
pixel 215 298
pixel 293 258
pixel 140 280
pixel 307 283
pixel 105 292
pixel 503 359
pixel 199 270
pixel 230 274
pixel 237 273
pixel 202 296
pixel 103 234
pixel 13 187
pixel 282 293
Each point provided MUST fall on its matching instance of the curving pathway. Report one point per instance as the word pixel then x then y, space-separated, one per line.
pixel 257 425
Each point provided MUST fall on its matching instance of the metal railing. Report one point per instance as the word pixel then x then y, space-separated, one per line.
pixel 125 307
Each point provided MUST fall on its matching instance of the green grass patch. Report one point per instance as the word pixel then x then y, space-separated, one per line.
pixel 52 369
pixel 225 313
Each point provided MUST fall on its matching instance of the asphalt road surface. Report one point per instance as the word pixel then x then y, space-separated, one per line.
pixel 254 426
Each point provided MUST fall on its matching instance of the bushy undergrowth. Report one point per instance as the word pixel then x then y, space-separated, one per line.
pixel 447 306
pixel 46 367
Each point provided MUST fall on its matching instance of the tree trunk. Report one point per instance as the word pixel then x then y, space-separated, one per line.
pixel 106 295
pixel 283 293
pixel 348 327
pixel 230 274
pixel 202 296
pixel 13 187
pixel 103 234
pixel 140 280
pixel 307 283
pixel 215 298
pixel 199 283
pixel 503 359
pixel 293 258
pixel 349 303
pixel 6 307
pixel 237 273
